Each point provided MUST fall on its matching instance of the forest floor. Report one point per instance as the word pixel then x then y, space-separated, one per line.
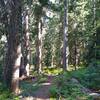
pixel 40 90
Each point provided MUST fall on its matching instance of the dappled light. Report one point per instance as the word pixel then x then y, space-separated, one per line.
pixel 37 88
pixel 49 49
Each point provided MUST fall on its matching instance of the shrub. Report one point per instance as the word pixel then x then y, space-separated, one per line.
pixel 64 87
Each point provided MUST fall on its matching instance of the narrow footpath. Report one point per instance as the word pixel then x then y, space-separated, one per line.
pixel 42 93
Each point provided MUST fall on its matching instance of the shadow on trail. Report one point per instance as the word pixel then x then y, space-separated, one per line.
pixel 35 90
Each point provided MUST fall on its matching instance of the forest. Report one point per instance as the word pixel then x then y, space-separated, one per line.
pixel 49 49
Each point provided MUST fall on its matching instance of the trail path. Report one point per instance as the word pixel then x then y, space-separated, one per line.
pixel 42 93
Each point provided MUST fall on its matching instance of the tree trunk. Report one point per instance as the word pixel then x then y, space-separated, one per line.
pixel 98 43
pixel 52 61
pixel 25 47
pixel 76 55
pixel 65 38
pixel 75 60
pixel 39 48
pixel 94 23
pixel 14 48
pixel 75 37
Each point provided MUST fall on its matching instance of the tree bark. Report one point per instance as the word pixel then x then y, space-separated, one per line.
pixel 39 48
pixel 25 61
pixel 65 38
pixel 13 56
pixel 52 61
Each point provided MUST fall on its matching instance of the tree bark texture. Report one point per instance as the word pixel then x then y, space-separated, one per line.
pixel 65 36
pixel 25 60
pixel 13 57
pixel 39 47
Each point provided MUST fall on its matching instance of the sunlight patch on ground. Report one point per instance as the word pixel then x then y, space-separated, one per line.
pixel 33 98
pixel 46 84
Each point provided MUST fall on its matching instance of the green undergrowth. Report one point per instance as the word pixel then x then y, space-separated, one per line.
pixel 28 87
pixel 64 88
pixel 6 94
pixel 88 77
pixel 41 79
pixel 52 71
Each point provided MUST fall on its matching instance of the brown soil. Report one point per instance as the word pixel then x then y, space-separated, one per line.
pixel 43 92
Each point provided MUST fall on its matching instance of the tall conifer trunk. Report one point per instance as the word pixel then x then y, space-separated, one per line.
pixel 39 47
pixel 25 60
pixel 65 36
pixel 27 44
pixel 13 56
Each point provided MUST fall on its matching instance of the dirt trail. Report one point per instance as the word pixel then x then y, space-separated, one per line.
pixel 43 92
